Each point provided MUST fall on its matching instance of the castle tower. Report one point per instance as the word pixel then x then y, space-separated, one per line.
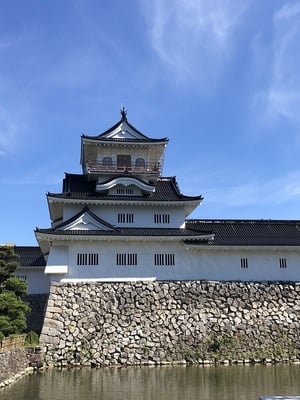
pixel 121 219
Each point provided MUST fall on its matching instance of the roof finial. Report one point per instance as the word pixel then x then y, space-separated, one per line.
pixel 123 114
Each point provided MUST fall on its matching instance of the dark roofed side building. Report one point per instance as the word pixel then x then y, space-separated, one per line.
pixel 32 266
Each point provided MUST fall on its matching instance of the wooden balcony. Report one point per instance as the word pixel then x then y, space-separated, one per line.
pixel 114 168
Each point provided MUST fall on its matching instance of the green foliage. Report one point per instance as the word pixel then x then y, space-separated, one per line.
pixel 8 263
pixel 13 309
pixel 217 343
pixel 32 339
pixel 15 285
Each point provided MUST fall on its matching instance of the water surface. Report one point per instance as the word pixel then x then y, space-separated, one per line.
pixel 163 383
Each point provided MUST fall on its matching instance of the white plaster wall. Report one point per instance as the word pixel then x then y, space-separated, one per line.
pixel 36 279
pixel 189 264
pixel 143 215
pixel 263 265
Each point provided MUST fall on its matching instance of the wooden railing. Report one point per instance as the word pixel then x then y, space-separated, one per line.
pixel 12 343
pixel 148 168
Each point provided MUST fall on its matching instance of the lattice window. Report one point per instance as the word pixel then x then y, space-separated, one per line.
pixel 126 259
pixel 125 218
pixel 282 263
pixel 125 191
pixel 164 259
pixel 161 218
pixel 244 262
pixel 87 259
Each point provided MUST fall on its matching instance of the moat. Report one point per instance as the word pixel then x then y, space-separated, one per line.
pixel 164 383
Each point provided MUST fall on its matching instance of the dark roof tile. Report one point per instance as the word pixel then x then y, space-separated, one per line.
pixel 250 232
pixel 30 256
pixel 123 232
pixel 77 187
pixel 144 138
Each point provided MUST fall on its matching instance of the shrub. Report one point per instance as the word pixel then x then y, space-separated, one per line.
pixel 32 339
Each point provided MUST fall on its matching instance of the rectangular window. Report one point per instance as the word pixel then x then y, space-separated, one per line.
pixel 244 262
pixel 126 259
pixel 164 259
pixel 161 218
pixel 125 191
pixel 123 160
pixel 87 259
pixel 124 218
pixel 282 263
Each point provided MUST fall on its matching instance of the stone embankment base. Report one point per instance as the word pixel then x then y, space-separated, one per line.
pixel 19 362
pixel 146 323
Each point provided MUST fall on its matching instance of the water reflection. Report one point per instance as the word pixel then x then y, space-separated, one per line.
pixel 164 383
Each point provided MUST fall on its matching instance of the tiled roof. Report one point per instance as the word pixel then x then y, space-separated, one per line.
pixel 30 256
pixel 102 137
pixel 250 232
pixel 77 187
pixel 123 232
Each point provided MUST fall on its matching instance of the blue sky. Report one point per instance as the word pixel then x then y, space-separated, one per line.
pixel 219 78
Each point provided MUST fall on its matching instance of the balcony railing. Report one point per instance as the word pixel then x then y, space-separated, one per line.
pixel 148 168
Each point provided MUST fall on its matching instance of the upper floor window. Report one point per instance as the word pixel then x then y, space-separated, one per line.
pixel 140 163
pixel 282 263
pixel 244 262
pixel 123 160
pixel 161 218
pixel 107 161
pixel 87 258
pixel 124 218
pixel 125 191
pixel 126 259
pixel 164 259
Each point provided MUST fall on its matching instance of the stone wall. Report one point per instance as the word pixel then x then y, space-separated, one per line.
pixel 137 323
pixel 18 362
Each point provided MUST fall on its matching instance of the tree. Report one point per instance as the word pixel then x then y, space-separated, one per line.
pixel 13 309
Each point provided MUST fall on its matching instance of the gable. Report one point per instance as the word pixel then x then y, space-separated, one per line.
pixel 123 131
pixel 85 221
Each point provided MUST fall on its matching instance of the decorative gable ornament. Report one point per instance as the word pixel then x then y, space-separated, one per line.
pixel 86 221
pixel 125 181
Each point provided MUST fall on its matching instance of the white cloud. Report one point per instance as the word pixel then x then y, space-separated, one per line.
pixel 8 131
pixel 247 192
pixel 288 10
pixel 283 96
pixel 192 38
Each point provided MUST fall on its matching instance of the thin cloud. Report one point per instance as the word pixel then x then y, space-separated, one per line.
pixel 246 192
pixel 193 38
pixel 8 131
pixel 283 97
pixel 42 176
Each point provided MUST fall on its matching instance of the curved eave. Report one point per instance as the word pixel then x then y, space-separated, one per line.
pixel 49 237
pixel 146 141
pixel 122 121
pixel 126 181
pixel 128 201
